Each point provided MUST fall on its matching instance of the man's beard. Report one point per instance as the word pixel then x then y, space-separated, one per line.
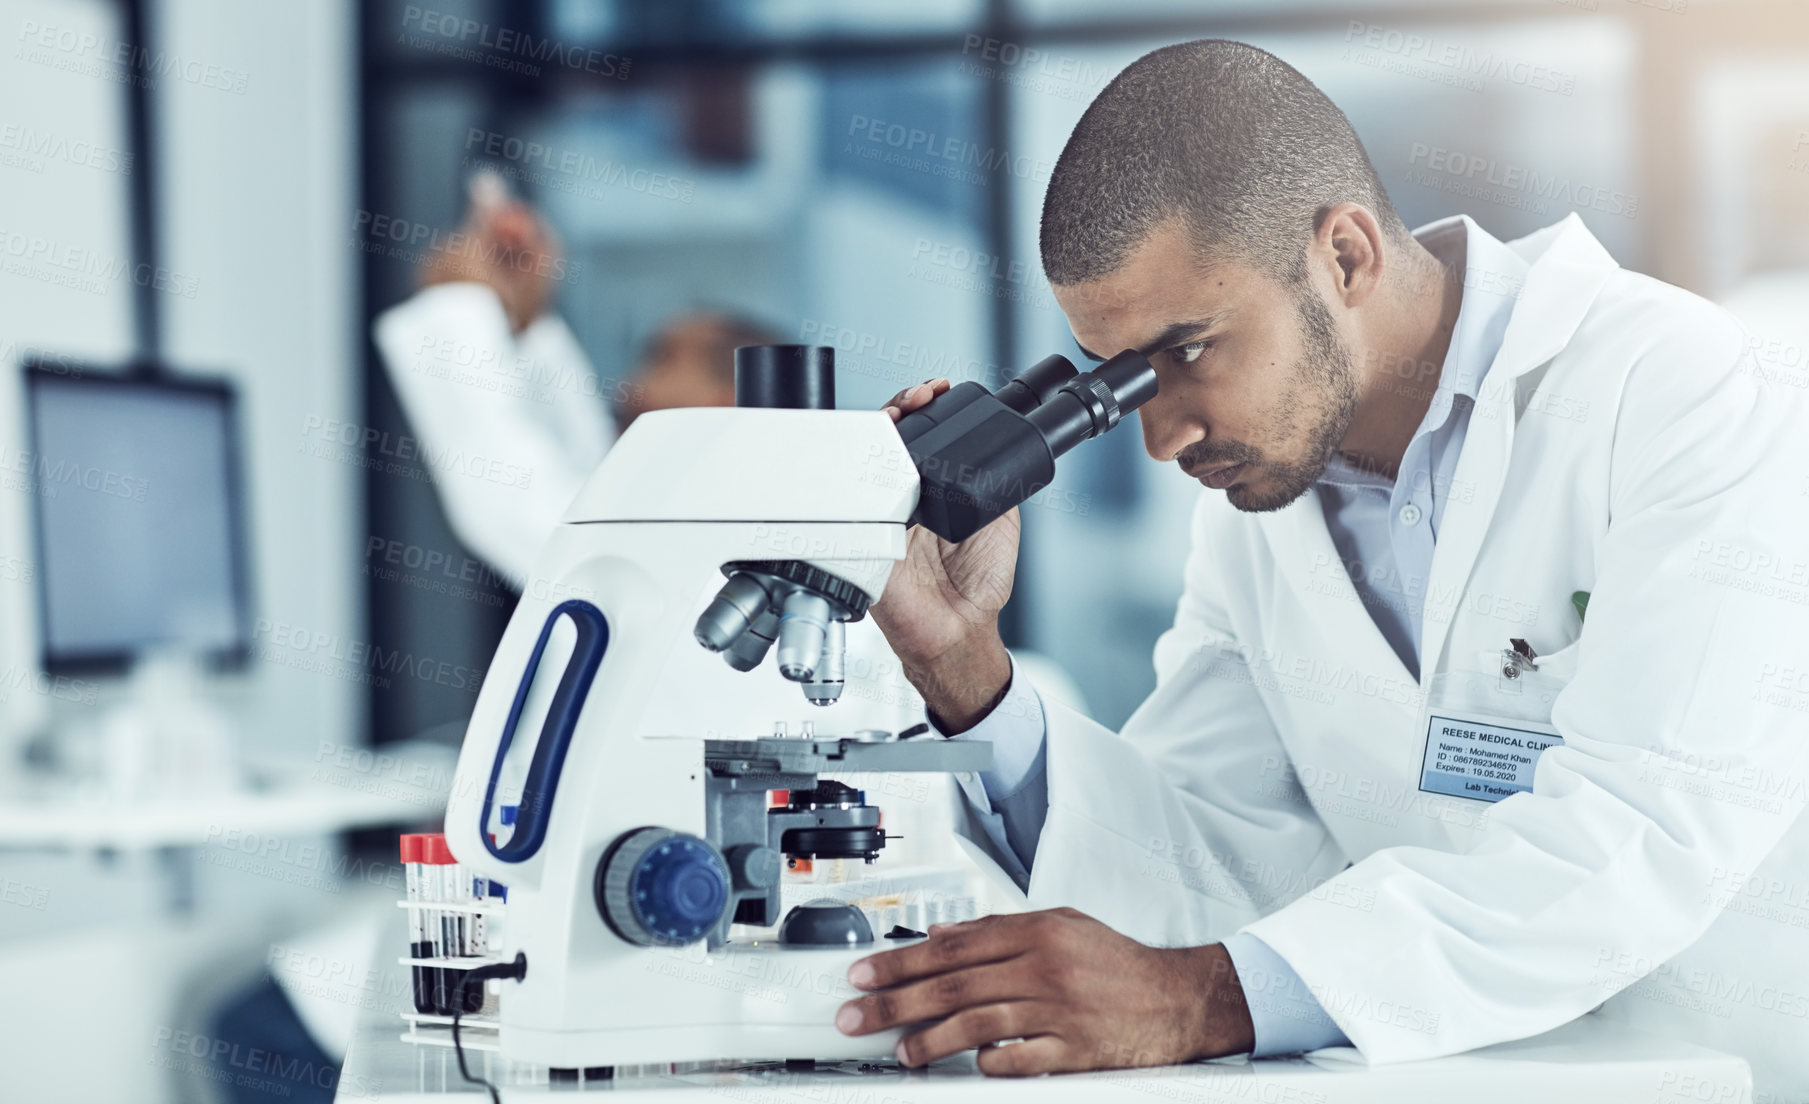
pixel 1323 394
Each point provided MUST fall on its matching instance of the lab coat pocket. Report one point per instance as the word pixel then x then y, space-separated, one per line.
pixel 1528 690
pixel 1495 686
pixel 1487 725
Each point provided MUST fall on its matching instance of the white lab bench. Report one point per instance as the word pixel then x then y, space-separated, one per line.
pixel 140 912
pixel 1589 1061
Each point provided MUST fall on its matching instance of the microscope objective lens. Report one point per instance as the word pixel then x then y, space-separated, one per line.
pixel 802 628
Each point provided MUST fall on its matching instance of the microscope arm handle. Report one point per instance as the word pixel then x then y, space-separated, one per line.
pixel 555 736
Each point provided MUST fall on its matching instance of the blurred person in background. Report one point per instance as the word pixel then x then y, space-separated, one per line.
pixel 487 371
pixel 483 367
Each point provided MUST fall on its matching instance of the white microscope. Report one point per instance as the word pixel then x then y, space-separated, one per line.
pixel 640 839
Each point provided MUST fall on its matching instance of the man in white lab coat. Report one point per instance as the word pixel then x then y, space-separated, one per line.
pixel 1487 697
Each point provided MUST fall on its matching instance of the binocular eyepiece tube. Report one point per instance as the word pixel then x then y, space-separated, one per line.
pixel 1036 384
pixel 979 454
pixel 1090 403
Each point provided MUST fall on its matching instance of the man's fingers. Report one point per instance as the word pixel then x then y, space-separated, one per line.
pixel 966 1030
pixel 913 397
pixel 511 224
pixel 899 399
pixel 968 944
pixel 936 997
pixel 1026 1058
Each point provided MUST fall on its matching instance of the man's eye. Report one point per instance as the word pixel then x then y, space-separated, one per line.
pixel 1190 352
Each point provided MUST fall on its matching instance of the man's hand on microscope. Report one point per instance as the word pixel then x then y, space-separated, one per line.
pixel 1060 990
pixel 940 611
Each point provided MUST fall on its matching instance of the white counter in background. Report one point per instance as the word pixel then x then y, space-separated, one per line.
pixel 401 783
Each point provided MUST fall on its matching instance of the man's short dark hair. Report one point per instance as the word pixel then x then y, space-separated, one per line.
pixel 1233 140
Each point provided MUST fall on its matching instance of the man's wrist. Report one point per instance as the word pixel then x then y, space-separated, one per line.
pixel 963 685
pixel 1222 1022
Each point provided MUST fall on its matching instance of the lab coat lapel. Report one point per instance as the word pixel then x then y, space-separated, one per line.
pixel 1354 727
pixel 1569 268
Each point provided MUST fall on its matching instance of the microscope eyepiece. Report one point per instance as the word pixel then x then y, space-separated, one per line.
pixel 979 454
pixel 1037 384
pixel 1092 402
pixel 1130 377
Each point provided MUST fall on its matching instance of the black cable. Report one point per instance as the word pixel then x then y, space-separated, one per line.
pixel 517 970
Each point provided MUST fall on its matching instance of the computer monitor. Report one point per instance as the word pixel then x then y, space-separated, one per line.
pixel 140 540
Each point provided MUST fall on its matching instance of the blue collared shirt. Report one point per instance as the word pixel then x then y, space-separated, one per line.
pixel 1384 530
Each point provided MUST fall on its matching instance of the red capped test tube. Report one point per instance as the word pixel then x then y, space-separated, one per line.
pixel 425 978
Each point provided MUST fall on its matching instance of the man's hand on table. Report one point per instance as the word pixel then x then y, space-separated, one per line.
pixel 1080 996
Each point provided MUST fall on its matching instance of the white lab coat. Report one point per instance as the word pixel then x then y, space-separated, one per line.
pixel 509 426
pixel 1621 445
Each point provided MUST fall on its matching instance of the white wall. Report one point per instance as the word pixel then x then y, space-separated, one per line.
pixel 256 142
pixel 257 195
pixel 257 185
pixel 63 180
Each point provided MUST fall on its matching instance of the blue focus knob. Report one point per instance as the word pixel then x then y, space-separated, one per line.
pixel 657 887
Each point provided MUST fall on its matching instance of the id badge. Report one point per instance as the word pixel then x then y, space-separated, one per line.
pixel 1482 757
pixel 1485 731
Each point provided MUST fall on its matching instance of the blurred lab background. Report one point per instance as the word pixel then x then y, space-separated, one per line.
pixel 241 628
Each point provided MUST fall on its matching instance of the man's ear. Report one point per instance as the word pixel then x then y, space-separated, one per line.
pixel 1350 244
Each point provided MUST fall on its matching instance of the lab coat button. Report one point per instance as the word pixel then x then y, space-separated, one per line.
pixel 965 776
pixel 1410 514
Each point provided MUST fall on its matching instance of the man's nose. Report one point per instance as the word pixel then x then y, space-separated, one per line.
pixel 1166 432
